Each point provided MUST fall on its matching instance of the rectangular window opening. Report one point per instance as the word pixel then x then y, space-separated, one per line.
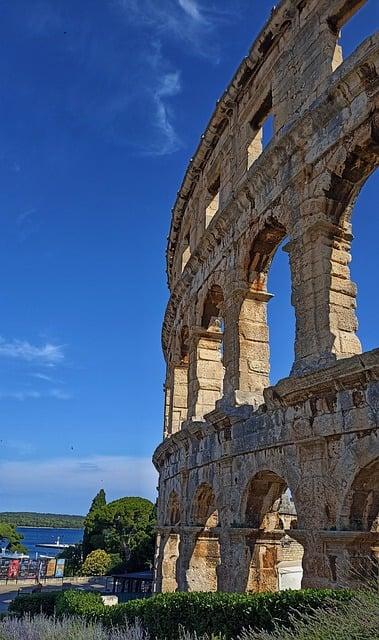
pixel 263 126
pixel 186 252
pixel 352 26
pixel 214 204
pixel 212 209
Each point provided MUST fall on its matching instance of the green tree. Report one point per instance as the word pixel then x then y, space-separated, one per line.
pixel 11 539
pixel 97 563
pixel 74 559
pixel 125 527
pixel 99 502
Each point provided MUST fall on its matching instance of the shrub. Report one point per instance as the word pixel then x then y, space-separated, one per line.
pixel 355 620
pixel 87 604
pixel 223 614
pixel 97 563
pixel 43 628
pixel 33 603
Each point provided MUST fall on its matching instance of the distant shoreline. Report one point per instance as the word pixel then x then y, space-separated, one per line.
pixel 28 526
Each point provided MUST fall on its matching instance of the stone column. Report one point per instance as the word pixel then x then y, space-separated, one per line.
pixel 316 567
pixel 246 347
pixel 206 371
pixel 186 548
pixel 167 402
pixel 157 584
pixel 169 558
pixel 323 296
pixel 235 557
pixel 179 397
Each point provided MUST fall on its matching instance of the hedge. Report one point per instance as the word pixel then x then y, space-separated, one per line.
pixel 34 603
pixel 86 604
pixel 225 614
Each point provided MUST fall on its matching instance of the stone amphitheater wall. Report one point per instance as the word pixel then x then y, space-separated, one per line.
pixel 253 476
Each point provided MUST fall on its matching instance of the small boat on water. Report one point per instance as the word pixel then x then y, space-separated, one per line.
pixel 54 545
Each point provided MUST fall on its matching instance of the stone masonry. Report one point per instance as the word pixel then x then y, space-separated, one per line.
pixel 250 475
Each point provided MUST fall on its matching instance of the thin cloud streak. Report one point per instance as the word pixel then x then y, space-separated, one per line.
pixel 49 354
pixel 31 394
pixel 42 376
pixel 64 483
pixel 170 86
pixel 190 7
pixel 184 20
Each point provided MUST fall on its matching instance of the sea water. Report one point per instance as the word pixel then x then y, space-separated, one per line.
pixel 48 535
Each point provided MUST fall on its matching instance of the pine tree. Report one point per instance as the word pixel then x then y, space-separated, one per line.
pixel 99 501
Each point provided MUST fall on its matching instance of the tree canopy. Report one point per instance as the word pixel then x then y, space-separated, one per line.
pixel 31 519
pixel 99 501
pixel 124 528
pixel 11 539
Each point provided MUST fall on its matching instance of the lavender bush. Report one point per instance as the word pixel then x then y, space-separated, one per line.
pixel 356 620
pixel 43 628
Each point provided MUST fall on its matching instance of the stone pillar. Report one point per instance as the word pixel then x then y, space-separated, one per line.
pixel 167 403
pixel 323 296
pixel 246 347
pixel 169 558
pixel 179 395
pixel 206 371
pixel 186 547
pixel 235 558
pixel 316 567
pixel 203 568
pixel 157 583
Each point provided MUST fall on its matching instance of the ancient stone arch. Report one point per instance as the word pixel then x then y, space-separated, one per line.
pixel 233 443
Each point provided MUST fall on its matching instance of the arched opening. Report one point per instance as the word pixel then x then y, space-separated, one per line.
pixel 204 513
pixel 206 359
pixel 275 558
pixel 356 560
pixel 179 383
pixel 352 26
pixel 173 516
pixel 203 566
pixel 281 315
pixel 270 281
pixel 364 261
pixel 362 503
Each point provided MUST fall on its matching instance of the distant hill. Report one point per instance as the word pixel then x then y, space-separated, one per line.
pixel 30 519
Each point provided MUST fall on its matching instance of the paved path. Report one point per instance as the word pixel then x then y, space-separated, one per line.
pixel 9 591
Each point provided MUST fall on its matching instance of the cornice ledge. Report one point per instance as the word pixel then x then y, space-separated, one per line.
pixel 345 374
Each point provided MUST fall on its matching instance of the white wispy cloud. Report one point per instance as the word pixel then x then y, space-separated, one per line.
pixel 189 22
pixel 192 9
pixel 20 447
pixel 169 140
pixel 50 354
pixel 193 25
pixel 42 376
pixel 34 394
pixel 22 217
pixel 27 224
pixel 64 483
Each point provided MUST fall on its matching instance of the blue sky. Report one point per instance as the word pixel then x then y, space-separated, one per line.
pixel 103 103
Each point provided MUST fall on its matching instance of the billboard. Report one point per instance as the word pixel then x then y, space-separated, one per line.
pixel 31 569
pixel 59 571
